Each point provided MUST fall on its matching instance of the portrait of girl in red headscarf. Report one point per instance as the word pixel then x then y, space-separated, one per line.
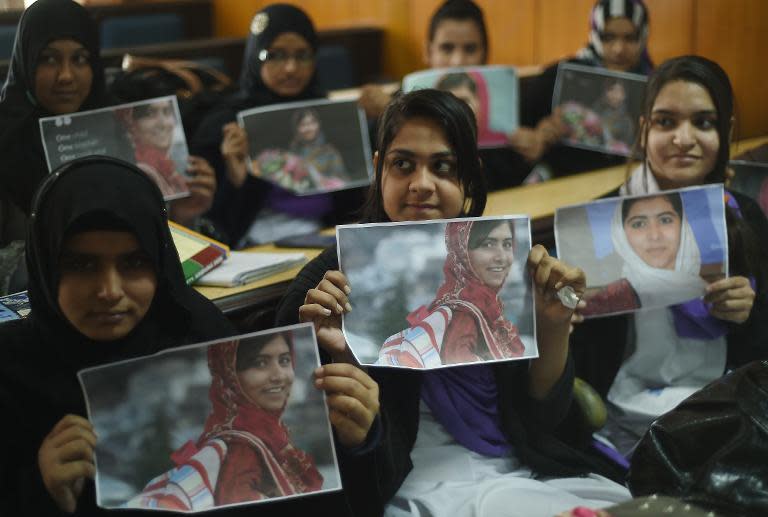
pixel 245 452
pixel 465 323
pixel 470 86
pixel 150 129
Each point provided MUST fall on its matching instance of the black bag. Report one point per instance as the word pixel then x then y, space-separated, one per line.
pixel 712 449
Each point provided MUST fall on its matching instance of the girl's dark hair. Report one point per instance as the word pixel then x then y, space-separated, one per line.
pixel 456 80
pixel 458 122
pixel 143 110
pixel 481 229
pixel 460 10
pixel 710 76
pixel 248 350
pixel 299 114
pixel 673 197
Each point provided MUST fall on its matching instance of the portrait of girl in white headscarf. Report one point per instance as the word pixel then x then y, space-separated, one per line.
pixel 661 258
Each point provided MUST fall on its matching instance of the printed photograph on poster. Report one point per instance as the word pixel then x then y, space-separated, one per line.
pixel 309 147
pixel 751 179
pixel 491 92
pixel 600 108
pixel 14 306
pixel 147 133
pixel 234 421
pixel 648 251
pixel 438 293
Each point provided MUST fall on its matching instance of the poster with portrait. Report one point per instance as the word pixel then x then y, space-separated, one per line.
pixel 439 293
pixel 491 92
pixel 600 108
pixel 751 179
pixel 229 422
pixel 147 133
pixel 309 147
pixel 644 252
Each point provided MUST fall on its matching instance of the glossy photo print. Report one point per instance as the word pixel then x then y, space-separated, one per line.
pixel 600 108
pixel 751 179
pixel 644 252
pixel 230 422
pixel 147 133
pixel 309 147
pixel 438 293
pixel 491 92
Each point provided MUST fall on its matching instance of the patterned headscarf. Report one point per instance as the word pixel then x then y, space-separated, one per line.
pixel 604 10
pixel 463 290
pixel 235 416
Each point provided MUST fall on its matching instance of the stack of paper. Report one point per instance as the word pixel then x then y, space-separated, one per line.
pixel 241 267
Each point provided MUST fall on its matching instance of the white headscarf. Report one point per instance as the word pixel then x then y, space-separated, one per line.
pixel 658 287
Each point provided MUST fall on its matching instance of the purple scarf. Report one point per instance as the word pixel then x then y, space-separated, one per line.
pixel 465 401
pixel 692 318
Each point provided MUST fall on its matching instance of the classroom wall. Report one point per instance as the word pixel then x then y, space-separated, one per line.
pixel 536 32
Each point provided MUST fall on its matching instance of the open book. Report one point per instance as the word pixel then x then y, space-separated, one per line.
pixel 243 267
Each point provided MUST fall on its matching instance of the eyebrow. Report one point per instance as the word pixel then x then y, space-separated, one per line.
pixel 662 111
pixel 411 154
pixel 659 214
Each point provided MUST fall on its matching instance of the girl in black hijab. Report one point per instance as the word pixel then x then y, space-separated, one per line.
pixel 105 284
pixel 56 69
pixel 29 93
pixel 278 66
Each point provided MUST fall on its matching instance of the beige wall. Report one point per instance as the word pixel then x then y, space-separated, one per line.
pixel 528 32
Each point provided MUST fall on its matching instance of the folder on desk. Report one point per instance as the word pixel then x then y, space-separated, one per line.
pixel 243 267
pixel 198 253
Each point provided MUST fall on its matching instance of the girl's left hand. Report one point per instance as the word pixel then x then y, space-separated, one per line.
pixel 730 299
pixel 549 276
pixel 202 187
pixel 353 400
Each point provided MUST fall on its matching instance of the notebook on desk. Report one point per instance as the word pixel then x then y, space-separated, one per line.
pixel 243 267
pixel 198 253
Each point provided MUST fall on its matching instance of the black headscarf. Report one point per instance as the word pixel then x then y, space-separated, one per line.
pixel 23 164
pixel 100 193
pixel 268 24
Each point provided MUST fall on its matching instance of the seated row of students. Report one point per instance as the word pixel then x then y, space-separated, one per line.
pixel 106 285
pixel 644 364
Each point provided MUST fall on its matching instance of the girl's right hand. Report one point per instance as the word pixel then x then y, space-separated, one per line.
pixel 65 460
pixel 234 150
pixel 323 306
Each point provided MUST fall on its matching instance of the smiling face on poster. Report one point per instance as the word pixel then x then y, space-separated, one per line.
pixel 235 421
pixel 647 251
pixel 147 133
pixel 600 108
pixel 309 147
pixel 438 293
pixel 491 92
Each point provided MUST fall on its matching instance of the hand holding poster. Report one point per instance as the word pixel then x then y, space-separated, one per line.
pixel 438 293
pixel 491 92
pixel 235 421
pixel 600 108
pixel 647 251
pixel 309 147
pixel 147 133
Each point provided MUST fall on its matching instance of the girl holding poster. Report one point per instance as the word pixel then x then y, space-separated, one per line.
pixel 672 352
pixel 463 418
pixel 105 285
